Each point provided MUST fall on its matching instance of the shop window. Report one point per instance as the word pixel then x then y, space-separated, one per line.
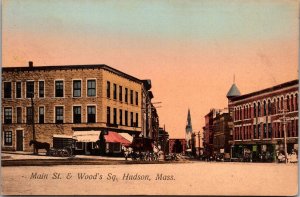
pixel 79 146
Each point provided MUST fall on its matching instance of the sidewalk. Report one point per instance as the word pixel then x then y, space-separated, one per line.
pixel 20 155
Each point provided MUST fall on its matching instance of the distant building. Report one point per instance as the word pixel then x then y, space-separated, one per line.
pixel 74 98
pixel 177 145
pixel 258 127
pixel 188 131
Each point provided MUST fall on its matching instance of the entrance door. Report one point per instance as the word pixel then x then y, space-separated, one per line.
pixel 19 140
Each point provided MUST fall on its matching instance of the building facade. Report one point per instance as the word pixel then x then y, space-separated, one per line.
pixel 262 118
pixel 177 145
pixel 59 100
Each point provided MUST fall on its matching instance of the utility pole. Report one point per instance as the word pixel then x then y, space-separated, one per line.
pixel 284 120
pixel 32 120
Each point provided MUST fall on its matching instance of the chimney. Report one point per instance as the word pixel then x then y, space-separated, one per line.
pixel 30 64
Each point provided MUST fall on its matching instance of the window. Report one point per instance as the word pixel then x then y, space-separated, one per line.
pixel 7 89
pixel 288 103
pixel 258 109
pixel 265 108
pixel 76 88
pixel 120 117
pixel 108 89
pixel 296 102
pixel 29 115
pixel 136 98
pixel 91 114
pixel 41 89
pixel 269 130
pixel 91 87
pixel 79 146
pixel 108 115
pixel 19 90
pixel 115 116
pixel 254 132
pixel 7 115
pixel 131 119
pixel 59 115
pixel 76 114
pixel 281 103
pixel 254 109
pixel 126 95
pixel 115 91
pixel 59 89
pixel 120 93
pixel 19 115
pixel 29 89
pixel 245 112
pixel 126 118
pixel 41 115
pixel 269 107
pixel 8 138
pixel 292 103
pixel 136 120
pixel 265 130
pixel 131 96
pixel 258 131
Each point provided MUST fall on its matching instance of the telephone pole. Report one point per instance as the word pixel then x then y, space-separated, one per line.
pixel 284 120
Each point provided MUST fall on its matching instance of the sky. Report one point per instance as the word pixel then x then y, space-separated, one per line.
pixel 190 49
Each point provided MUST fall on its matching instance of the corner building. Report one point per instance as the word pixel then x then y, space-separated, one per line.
pixel 258 126
pixel 68 99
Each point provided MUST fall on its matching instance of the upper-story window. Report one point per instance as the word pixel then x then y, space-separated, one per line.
pixel 258 109
pixel 59 88
pixel 126 95
pixel 269 107
pixel 59 115
pixel 91 87
pixel 7 89
pixel 108 89
pixel 136 120
pixel 265 108
pixel 120 93
pixel 136 98
pixel 41 89
pixel 108 115
pixel 281 104
pixel 7 115
pixel 241 113
pixel 19 115
pixel 288 103
pixel 29 89
pixel 76 88
pixel 19 89
pixel 292 103
pixel 29 115
pixel 115 115
pixel 131 119
pixel 245 112
pixel 296 102
pixel 91 114
pixel 278 105
pixel 131 96
pixel 254 109
pixel 76 114
pixel 115 91
pixel 41 115
pixel 126 118
pixel 120 117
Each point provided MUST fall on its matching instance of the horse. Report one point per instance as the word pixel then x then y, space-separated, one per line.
pixel 39 145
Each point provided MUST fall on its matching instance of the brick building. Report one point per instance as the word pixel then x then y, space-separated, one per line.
pixel 177 145
pixel 258 127
pixel 71 98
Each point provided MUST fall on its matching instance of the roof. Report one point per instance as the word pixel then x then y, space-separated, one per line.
pixel 70 67
pixel 273 88
pixel 114 137
pixel 233 91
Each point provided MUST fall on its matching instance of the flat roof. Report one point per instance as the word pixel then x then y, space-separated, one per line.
pixel 273 88
pixel 71 67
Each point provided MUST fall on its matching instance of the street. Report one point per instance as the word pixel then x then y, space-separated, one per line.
pixel 205 178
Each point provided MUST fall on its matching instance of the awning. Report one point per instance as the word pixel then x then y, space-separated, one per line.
pixel 127 136
pixel 113 137
pixel 62 136
pixel 86 136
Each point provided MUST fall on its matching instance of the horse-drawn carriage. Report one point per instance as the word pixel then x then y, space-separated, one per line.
pixel 64 150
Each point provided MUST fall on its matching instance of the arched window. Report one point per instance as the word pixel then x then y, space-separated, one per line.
pixel 254 110
pixel 292 103
pixel 288 103
pixel 240 113
pixel 265 108
pixel 278 105
pixel 249 111
pixel 245 112
pixel 258 109
pixel 281 103
pixel 269 107
pixel 274 107
pixel 296 102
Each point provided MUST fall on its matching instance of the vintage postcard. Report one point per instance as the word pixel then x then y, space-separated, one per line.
pixel 140 97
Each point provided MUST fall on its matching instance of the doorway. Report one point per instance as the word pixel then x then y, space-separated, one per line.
pixel 19 140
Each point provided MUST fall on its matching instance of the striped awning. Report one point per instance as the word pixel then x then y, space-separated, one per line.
pixel 86 136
